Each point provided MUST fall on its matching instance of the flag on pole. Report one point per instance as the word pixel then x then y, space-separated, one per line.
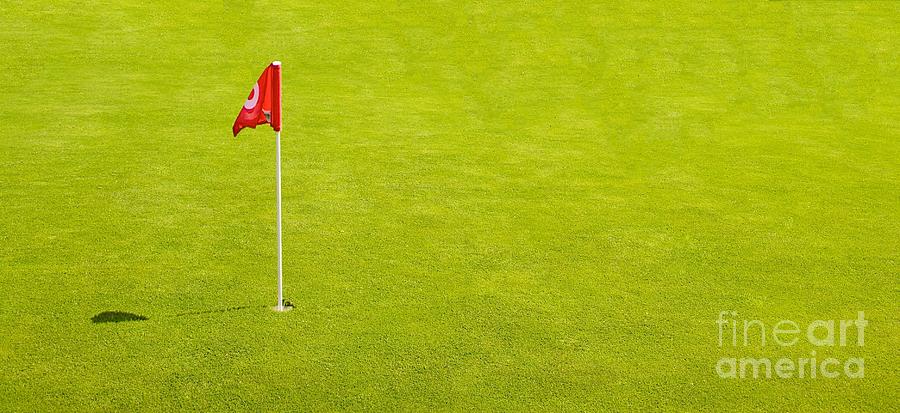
pixel 264 106
pixel 264 103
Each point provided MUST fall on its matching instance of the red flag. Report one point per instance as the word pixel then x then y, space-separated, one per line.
pixel 264 103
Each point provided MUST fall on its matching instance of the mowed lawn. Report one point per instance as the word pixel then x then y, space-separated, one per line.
pixel 521 206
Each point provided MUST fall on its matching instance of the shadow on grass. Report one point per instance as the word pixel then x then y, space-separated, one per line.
pixel 121 316
pixel 221 310
pixel 116 317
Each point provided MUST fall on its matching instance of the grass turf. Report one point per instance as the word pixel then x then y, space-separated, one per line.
pixel 488 205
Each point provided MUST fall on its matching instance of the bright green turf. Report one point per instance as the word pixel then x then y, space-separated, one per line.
pixel 518 206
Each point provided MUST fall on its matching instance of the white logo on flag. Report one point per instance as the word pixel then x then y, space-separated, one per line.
pixel 254 97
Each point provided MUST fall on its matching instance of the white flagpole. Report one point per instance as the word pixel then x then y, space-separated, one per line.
pixel 280 306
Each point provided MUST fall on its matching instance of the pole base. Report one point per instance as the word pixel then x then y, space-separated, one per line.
pixel 282 308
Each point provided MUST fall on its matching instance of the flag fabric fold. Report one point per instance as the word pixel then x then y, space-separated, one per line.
pixel 264 103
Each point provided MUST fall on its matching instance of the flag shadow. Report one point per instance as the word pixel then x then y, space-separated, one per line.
pixel 122 316
pixel 117 317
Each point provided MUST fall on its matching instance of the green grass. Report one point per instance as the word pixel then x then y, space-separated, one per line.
pixel 488 206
